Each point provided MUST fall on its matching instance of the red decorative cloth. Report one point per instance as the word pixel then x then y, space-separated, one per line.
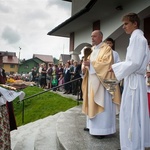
pixel 149 102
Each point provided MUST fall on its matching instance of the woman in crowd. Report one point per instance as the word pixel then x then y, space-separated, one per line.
pixel 67 77
pixel 43 76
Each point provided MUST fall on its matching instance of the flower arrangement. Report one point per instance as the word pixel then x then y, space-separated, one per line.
pixel 10 80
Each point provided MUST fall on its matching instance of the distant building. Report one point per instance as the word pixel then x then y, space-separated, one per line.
pixel 45 58
pixel 11 64
pixel 27 65
pixel 9 61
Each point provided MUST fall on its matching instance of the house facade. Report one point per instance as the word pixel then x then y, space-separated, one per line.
pixel 27 65
pixel 88 15
pixel 9 62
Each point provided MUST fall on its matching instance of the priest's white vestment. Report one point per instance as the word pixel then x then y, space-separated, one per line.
pixel 103 123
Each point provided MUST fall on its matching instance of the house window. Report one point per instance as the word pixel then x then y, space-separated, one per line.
pixel 12 66
pixel 12 72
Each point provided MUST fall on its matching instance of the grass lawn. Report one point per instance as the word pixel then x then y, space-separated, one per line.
pixel 40 106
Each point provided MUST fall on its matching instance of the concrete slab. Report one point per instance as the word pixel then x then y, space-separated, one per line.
pixel 71 135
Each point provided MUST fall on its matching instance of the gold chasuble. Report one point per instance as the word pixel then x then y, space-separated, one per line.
pixel 101 64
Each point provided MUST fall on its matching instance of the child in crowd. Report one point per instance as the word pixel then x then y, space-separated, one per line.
pixel 60 82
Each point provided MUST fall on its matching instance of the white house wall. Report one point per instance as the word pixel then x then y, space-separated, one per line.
pixel 83 36
pixel 112 26
pixel 122 42
pixel 112 23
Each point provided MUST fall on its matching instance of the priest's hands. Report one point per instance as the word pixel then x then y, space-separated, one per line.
pixel 85 66
pixel 86 63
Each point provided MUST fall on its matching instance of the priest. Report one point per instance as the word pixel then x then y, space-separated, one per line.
pixel 98 104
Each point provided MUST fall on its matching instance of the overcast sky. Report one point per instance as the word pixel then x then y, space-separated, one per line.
pixel 25 24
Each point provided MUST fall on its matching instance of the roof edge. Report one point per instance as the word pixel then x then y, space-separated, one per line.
pixel 68 0
pixel 80 13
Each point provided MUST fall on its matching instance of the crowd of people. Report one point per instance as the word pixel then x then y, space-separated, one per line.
pixel 63 78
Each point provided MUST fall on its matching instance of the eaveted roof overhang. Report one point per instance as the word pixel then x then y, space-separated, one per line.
pixel 93 11
pixel 74 23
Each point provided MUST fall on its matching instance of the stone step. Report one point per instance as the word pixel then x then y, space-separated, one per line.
pixel 33 136
pixel 63 131
pixel 46 138
pixel 67 128
pixel 19 137
pixel 71 135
